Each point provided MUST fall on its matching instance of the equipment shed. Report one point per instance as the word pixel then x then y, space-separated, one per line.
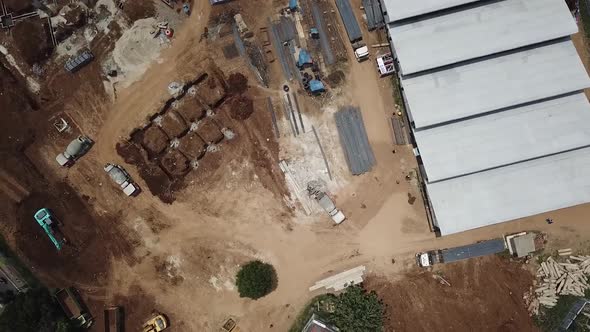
pixel 511 192
pixel 504 138
pixel 445 39
pixel 493 83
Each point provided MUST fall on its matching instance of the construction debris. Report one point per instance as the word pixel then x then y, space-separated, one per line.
pixel 567 278
pixel 342 280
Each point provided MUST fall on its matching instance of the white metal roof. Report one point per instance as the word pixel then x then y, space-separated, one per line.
pixel 402 9
pixel 511 192
pixel 478 31
pixel 494 83
pixel 505 138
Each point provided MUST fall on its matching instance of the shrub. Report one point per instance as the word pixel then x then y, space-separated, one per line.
pixel 358 310
pixel 256 279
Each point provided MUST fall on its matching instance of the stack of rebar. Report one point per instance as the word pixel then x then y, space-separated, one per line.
pixel 354 140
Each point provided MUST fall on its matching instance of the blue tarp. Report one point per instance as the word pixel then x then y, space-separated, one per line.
pixel 292 4
pixel 304 58
pixel 316 86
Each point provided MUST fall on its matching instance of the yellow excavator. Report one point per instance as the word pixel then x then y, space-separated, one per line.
pixel 156 324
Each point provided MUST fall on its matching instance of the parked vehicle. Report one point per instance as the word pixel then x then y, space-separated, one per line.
pixel 326 203
pixel 113 319
pixel 46 220
pixel 361 51
pixel 69 300
pixel 484 248
pixel 156 324
pixel 122 178
pixel 76 149
pixel 385 64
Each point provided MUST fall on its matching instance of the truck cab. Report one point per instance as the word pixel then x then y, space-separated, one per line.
pixel 361 51
pixel 429 258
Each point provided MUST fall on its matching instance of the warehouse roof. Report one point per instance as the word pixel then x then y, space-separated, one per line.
pixel 478 31
pixel 511 192
pixel 402 9
pixel 504 138
pixel 494 83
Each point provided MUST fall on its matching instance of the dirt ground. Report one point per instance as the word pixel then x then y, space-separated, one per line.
pixel 485 294
pixel 180 255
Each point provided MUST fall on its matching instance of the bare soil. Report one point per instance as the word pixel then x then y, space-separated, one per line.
pixel 241 107
pixel 486 294
pixel 136 10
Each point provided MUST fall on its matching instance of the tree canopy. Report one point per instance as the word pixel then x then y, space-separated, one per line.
pixel 358 311
pixel 33 311
pixel 256 279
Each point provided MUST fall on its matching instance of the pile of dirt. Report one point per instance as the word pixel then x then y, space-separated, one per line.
pixel 486 294
pixel 32 42
pixel 241 108
pixel 237 83
pixel 175 163
pixel 173 124
pixel 156 179
pixel 136 10
pixel 154 140
pixel 209 131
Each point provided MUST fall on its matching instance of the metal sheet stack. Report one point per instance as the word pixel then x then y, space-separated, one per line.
pixel 354 140
pixel 350 24
pixel 568 278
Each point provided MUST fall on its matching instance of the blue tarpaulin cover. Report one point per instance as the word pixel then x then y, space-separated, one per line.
pixel 292 4
pixel 304 58
pixel 316 86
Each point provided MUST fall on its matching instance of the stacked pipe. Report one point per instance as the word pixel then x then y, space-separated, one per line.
pixel 567 278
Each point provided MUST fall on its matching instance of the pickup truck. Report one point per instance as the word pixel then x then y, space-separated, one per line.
pixel 325 202
pixel 120 176
pixel 361 51
pixel 76 149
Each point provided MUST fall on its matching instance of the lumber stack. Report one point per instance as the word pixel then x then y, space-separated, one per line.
pixel 562 278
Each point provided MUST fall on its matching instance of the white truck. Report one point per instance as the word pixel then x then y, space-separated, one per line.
pixel 483 248
pixel 76 149
pixel 385 64
pixel 122 178
pixel 361 51
pixel 326 203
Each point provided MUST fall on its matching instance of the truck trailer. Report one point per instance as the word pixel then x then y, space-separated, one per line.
pixel 484 248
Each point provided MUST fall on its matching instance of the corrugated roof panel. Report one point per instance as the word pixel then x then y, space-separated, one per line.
pixel 505 138
pixel 511 192
pixel 402 9
pixel 495 83
pixel 478 31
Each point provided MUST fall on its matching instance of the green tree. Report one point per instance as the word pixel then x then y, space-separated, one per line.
pixel 33 311
pixel 358 311
pixel 256 279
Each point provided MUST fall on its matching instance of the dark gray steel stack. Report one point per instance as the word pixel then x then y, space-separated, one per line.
pixel 79 61
pixel 354 140
pixel 324 41
pixel 350 24
pixel 374 14
pixel 286 29
pixel 483 248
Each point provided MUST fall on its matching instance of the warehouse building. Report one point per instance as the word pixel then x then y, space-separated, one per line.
pixel 493 92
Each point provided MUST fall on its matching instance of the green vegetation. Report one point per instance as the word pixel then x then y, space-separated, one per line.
pixel 34 311
pixel 256 279
pixel 321 305
pixel 397 93
pixel 585 18
pixel 11 259
pixel 354 310
pixel 550 319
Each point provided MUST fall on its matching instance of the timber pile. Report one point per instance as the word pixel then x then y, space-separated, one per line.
pixel 567 278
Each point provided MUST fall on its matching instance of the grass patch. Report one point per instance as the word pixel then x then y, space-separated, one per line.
pixel 550 319
pixel 585 18
pixel 397 93
pixel 10 258
pixel 321 305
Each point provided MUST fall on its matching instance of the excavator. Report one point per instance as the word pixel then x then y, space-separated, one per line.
pixel 156 324
pixel 45 219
